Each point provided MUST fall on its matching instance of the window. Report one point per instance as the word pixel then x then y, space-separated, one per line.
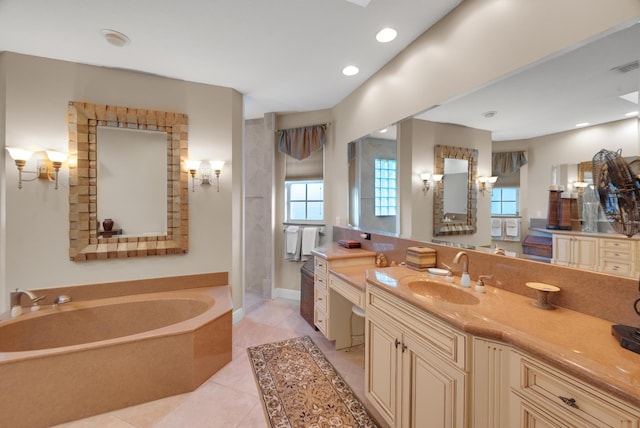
pixel 305 200
pixel 385 187
pixel 504 201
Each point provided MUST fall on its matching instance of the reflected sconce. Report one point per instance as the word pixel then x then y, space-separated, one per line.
pixel 428 178
pixel 486 183
pixel 580 186
pixel 204 174
pixel 54 159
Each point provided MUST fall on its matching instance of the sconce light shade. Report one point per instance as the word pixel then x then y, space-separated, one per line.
pixel 193 165
pixel 486 183
pixel 437 177
pixel 216 166
pixel 56 159
pixel 19 154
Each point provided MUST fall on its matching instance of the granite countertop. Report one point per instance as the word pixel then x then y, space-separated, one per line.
pixel 334 251
pixel 579 344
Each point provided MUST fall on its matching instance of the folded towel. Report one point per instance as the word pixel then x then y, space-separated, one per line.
pixel 292 234
pixel 496 227
pixel 309 240
pixel 513 228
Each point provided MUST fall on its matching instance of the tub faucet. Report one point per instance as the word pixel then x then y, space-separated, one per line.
pixel 16 295
pixel 465 281
pixel 63 298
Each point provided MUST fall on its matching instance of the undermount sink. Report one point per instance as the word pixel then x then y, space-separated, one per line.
pixel 447 293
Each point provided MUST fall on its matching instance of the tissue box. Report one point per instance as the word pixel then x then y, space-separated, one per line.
pixel 421 258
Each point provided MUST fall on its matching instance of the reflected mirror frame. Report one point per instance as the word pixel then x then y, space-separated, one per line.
pixel 83 120
pixel 440 228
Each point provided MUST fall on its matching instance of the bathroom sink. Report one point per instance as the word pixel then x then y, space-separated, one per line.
pixel 437 290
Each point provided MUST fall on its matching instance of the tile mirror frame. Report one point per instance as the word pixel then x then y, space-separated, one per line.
pixel 83 120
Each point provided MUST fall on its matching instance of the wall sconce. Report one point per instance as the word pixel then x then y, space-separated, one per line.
pixel 486 183
pixel 54 160
pixel 427 178
pixel 204 174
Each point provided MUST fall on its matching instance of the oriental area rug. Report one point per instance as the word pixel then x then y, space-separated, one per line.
pixel 300 388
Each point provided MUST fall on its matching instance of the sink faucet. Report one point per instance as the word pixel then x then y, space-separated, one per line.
pixel 16 295
pixel 465 281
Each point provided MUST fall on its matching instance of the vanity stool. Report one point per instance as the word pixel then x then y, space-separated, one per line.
pixel 358 312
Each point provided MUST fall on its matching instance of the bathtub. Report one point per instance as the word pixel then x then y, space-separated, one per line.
pixel 89 357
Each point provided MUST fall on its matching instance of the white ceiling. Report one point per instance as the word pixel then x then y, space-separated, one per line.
pixel 554 95
pixel 283 55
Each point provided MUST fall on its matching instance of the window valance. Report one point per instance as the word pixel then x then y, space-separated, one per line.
pixel 299 143
pixel 507 163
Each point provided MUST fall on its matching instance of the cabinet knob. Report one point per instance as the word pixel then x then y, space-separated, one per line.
pixel 571 402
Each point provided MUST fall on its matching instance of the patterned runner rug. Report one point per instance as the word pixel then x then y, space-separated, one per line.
pixel 300 388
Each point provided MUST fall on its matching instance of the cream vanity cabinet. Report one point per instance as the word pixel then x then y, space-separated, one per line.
pixel 414 365
pixel 575 251
pixel 615 254
pixel 542 396
pixel 322 305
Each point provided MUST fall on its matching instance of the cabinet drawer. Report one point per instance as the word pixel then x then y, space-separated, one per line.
pixel 614 254
pixel 565 395
pixel 320 298
pixel 320 320
pixel 616 267
pixel 617 244
pixel 320 266
pixel 348 291
pixel 441 338
pixel 320 281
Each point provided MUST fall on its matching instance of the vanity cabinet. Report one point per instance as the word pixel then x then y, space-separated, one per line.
pixel 490 392
pixel 542 396
pixel 575 251
pixel 415 365
pixel 323 306
pixel 611 254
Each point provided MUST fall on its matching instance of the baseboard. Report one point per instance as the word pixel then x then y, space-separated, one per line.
pixel 237 316
pixel 285 293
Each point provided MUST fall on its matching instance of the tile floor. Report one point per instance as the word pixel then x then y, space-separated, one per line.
pixel 230 397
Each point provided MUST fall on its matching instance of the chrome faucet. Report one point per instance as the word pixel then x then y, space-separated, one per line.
pixel 16 295
pixel 63 298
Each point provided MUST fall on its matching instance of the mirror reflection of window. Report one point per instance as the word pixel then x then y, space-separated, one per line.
pixel 385 187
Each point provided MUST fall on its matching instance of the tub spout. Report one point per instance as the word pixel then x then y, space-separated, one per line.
pixel 16 295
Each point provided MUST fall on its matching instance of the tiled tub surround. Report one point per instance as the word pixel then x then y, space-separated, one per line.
pixel 604 296
pixel 169 342
pixel 578 344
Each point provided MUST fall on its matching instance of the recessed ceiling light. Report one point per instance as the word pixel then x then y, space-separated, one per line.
pixel 382 131
pixel 350 70
pixel 115 38
pixel 386 35
pixel 489 114
pixel 632 113
pixel 582 124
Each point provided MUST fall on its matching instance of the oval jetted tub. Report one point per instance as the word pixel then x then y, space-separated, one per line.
pixel 89 357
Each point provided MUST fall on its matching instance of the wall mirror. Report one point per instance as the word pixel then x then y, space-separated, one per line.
pixel 373 201
pixel 109 141
pixel 454 204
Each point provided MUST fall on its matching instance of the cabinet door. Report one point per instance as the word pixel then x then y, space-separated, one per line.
pixel 433 391
pixel 562 246
pixel 490 394
pixel 585 255
pixel 382 381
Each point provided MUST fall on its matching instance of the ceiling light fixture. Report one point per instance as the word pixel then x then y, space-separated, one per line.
pixel 115 38
pixel 582 124
pixel 386 35
pixel 632 113
pixel 350 70
pixel 489 114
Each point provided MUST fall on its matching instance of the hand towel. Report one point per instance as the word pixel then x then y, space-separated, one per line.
pixel 291 234
pixel 496 227
pixel 309 240
pixel 513 228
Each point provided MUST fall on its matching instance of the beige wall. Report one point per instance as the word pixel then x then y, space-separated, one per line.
pixel 36 239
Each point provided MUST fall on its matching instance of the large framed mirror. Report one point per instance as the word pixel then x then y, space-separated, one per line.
pixel 454 204
pixel 87 123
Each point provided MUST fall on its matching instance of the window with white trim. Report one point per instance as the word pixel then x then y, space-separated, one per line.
pixel 304 201
pixel 505 201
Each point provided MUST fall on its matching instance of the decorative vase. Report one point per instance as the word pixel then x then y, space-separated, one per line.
pixel 107 224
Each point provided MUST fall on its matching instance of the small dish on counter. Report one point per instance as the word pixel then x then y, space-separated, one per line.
pixel 438 271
